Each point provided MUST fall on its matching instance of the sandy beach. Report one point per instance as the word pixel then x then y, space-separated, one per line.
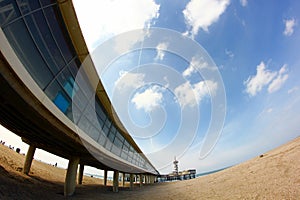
pixel 273 175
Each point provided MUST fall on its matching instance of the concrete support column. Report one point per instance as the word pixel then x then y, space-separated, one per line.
pixel 105 177
pixel 123 176
pixel 80 175
pixel 70 181
pixel 131 181
pixel 28 159
pixel 116 181
pixel 141 180
pixel 152 179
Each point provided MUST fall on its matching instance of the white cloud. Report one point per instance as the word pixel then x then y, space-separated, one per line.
pixel 255 83
pixel 196 64
pixel 279 80
pixel 128 80
pixel 289 27
pixel 244 3
pixel 294 89
pixel 100 20
pixel 160 48
pixel 201 14
pixel 192 94
pixel 273 79
pixel 149 99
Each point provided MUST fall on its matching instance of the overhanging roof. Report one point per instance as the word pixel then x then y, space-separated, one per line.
pixel 73 27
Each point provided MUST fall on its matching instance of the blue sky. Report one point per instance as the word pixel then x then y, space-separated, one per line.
pixel 167 105
pixel 254 46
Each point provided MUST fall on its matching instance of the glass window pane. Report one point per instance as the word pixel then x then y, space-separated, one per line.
pixel 130 153
pixel 91 115
pixel 125 149
pixel 101 139
pixel 84 124
pixel 108 145
pixel 111 137
pixel 84 85
pixel 126 144
pixel 113 129
pixel 93 132
pixel 121 138
pixel 27 52
pixel 44 37
pixel 116 150
pixel 67 81
pixel 31 21
pixel 80 100
pixel 101 123
pixel 74 66
pixel 124 155
pixel 106 130
pixel 28 5
pixel 8 11
pixel 99 110
pixel 59 97
pixel 47 2
pixel 59 31
pixel 61 101
pixel 118 143
pixel 52 90
pixel 107 122
pixel 73 115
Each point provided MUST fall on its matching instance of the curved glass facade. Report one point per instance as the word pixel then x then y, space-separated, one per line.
pixel 36 32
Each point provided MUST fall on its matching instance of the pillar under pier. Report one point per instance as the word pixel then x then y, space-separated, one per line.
pixel 28 159
pixel 116 181
pixel 141 180
pixel 123 179
pixel 70 181
pixel 131 181
pixel 80 175
pixel 105 177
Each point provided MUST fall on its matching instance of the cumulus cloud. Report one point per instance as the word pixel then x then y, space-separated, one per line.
pixel 100 20
pixel 160 48
pixel 244 3
pixel 279 80
pixel 264 77
pixel 192 94
pixel 201 14
pixel 196 64
pixel 128 80
pixel 255 83
pixel 289 27
pixel 149 99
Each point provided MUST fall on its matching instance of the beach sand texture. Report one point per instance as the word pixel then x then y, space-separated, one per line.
pixel 275 175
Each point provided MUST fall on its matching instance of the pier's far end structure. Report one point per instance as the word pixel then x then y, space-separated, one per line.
pixel 42 49
pixel 177 175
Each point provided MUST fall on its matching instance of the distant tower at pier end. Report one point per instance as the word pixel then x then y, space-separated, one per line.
pixel 175 162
